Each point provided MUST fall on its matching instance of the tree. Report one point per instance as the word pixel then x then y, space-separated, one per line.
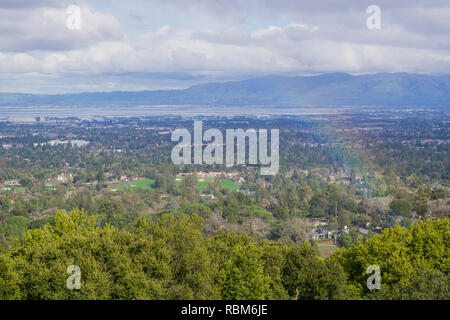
pixel 112 261
pixel 173 204
pixel 9 279
pixel 296 230
pixel 425 285
pixel 421 208
pixel 344 217
pixel 308 277
pixel 15 226
pixel 245 269
pixel 243 275
pixel 193 273
pixel 401 207
pixel 172 258
pixel 5 204
pixel 402 255
pixel 100 175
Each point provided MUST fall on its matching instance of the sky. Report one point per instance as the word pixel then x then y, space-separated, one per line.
pixel 166 44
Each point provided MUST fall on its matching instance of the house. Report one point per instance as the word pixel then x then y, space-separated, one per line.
pixel 345 230
pixel 49 185
pixel 316 222
pixel 12 183
pixel 343 173
pixel 332 233
pixel 363 230
pixel 323 233
pixel 64 177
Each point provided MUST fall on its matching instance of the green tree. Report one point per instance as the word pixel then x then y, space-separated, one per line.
pixel 401 207
pixel 401 254
pixel 15 226
pixel 308 277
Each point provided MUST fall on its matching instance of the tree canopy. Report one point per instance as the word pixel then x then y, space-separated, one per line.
pixel 172 258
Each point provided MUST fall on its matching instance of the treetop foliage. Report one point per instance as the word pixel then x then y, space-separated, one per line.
pixel 172 258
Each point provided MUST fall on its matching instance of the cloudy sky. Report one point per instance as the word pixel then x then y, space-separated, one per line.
pixel 160 44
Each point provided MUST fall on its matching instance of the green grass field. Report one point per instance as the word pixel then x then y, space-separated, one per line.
pixel 326 247
pixel 330 248
pixel 326 251
pixel 135 185
pixel 203 183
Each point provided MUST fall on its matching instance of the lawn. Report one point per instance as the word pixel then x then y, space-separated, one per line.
pixel 135 185
pixel 230 184
pixel 323 240
pixel 326 251
pixel 203 183
pixel 326 247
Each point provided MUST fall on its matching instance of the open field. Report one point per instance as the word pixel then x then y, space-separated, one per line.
pixel 326 247
pixel 203 183
pixel 135 185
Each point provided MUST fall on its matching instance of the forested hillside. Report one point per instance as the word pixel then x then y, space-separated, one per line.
pixel 172 259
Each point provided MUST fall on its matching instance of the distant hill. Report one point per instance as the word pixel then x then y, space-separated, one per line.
pixel 333 89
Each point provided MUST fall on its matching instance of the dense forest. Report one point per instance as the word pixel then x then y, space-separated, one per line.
pixel 173 259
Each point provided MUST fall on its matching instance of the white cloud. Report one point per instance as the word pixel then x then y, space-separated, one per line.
pixel 44 28
pixel 317 38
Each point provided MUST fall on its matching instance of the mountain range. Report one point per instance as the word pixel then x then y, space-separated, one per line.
pixel 331 89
